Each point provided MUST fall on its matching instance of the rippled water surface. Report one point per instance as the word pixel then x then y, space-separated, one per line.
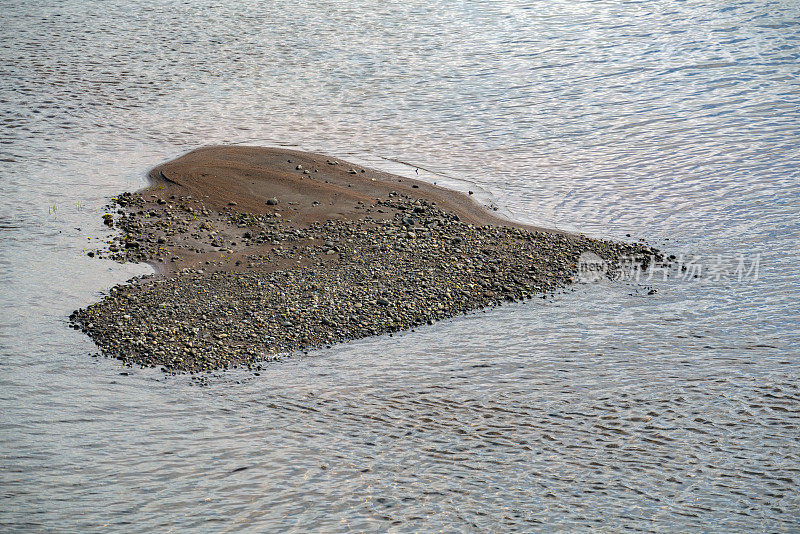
pixel 601 408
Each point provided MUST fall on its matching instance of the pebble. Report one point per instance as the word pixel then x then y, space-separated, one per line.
pixel 376 278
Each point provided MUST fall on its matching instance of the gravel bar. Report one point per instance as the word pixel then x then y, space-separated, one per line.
pixel 241 287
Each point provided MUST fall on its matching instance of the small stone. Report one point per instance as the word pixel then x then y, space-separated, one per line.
pixel 272 201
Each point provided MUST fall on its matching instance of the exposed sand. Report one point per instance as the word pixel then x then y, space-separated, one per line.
pixel 250 175
pixel 240 179
pixel 266 251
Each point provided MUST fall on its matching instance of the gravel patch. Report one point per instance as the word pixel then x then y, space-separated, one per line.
pixel 261 286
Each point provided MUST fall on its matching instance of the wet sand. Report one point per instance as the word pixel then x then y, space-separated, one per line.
pixel 249 176
pixel 264 251
pixel 309 188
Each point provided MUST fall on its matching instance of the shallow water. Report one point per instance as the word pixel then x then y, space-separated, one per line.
pixel 599 408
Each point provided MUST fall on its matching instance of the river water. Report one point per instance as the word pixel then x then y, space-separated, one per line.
pixel 601 408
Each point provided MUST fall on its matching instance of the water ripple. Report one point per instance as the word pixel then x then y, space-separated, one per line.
pixel 601 408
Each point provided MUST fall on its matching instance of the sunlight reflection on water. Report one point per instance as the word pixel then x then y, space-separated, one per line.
pixel 602 407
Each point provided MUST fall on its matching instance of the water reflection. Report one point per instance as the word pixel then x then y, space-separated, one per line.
pixel 598 408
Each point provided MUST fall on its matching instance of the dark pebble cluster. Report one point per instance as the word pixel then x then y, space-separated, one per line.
pixel 324 283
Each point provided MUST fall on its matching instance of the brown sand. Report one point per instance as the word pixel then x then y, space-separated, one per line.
pixel 249 175
pixel 240 179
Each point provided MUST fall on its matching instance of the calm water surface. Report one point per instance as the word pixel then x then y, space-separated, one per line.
pixel 602 408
